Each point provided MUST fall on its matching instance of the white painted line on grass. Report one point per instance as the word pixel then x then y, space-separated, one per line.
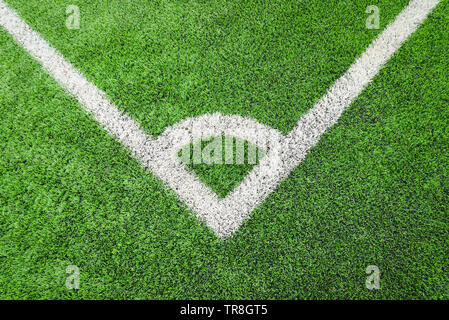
pixel 223 216
pixel 325 113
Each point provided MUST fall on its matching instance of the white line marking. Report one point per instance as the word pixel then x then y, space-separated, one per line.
pixel 286 152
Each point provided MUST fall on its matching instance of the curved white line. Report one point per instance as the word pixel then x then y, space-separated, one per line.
pixel 285 152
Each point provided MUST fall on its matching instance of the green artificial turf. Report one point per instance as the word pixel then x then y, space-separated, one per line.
pixel 373 191
pixel 220 176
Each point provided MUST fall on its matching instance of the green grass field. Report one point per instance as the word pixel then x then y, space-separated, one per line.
pixel 373 191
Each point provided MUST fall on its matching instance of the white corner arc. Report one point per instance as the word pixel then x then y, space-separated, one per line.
pixel 223 216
